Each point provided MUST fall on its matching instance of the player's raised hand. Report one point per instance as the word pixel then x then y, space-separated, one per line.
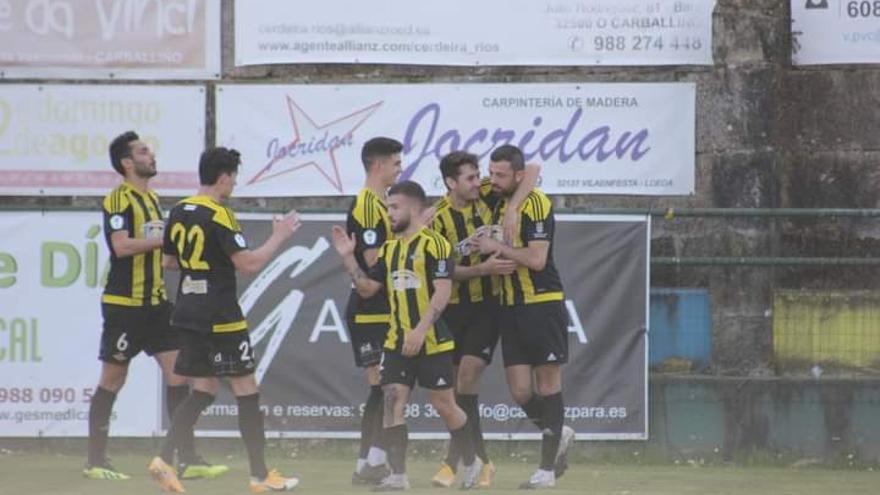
pixel 495 265
pixel 286 225
pixel 427 216
pixel 343 243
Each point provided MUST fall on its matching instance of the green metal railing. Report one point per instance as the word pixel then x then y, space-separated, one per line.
pixel 763 261
pixel 672 213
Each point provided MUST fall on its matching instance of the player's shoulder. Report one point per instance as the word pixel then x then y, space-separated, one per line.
pixel 435 243
pixel 375 202
pixel 361 199
pixel 368 208
pixel 117 200
pixel 442 204
pixel 226 217
pixel 217 213
pixel 537 205
pixel 442 209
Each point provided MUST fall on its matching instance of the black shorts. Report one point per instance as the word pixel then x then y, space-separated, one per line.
pixel 215 354
pixel 534 334
pixel 367 338
pixel 433 372
pixel 130 330
pixel 474 328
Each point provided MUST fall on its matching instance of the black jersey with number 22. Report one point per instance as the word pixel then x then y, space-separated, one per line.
pixel 203 235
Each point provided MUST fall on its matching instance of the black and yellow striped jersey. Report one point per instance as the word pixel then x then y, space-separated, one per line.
pixel 368 221
pixel 203 235
pixel 133 280
pixel 537 223
pixel 457 226
pixel 408 268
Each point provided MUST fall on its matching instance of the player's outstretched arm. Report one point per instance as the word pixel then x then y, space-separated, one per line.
pixel 253 260
pixel 125 246
pixel 345 244
pixel 412 343
pixel 510 222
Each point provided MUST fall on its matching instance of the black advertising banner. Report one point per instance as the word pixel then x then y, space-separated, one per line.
pixel 310 387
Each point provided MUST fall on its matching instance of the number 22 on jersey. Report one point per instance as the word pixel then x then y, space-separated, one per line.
pixel 190 241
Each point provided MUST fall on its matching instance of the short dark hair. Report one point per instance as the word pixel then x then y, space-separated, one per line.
pixel 215 162
pixel 120 148
pixel 379 147
pixel 450 164
pixel 509 153
pixel 409 189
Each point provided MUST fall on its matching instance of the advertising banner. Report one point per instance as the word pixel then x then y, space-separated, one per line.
pixel 488 32
pixel 603 138
pixel 54 139
pixel 311 388
pixel 115 39
pixel 52 268
pixel 835 32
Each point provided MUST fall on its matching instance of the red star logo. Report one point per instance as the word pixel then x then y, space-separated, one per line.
pixel 315 145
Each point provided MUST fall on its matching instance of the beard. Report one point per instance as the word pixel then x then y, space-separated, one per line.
pixel 506 192
pixel 143 171
pixel 400 226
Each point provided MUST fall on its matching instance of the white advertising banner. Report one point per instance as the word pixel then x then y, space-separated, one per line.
pixel 101 39
pixel 464 32
pixel 51 271
pixel 53 267
pixel 54 139
pixel 835 32
pixel 589 138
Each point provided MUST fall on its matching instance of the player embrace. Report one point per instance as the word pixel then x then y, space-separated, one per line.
pixel 464 214
pixel 415 269
pixel 531 315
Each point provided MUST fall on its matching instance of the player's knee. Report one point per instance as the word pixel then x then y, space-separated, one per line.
pixel 373 376
pixel 175 380
pixel 445 405
pixel 394 400
pixel 113 377
pixel 468 382
pixel 549 388
pixel 441 400
pixel 464 386
pixel 244 385
pixel 453 416
pixel 113 384
pixel 209 386
pixel 549 380
pixel 520 394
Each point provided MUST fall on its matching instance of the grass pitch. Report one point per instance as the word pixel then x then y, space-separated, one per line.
pixel 42 473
